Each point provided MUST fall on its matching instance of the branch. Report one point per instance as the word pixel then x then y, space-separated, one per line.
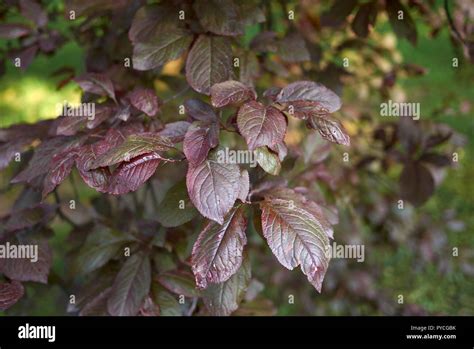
pixel 451 23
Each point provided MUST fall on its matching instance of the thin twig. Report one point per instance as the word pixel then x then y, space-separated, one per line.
pixel 451 22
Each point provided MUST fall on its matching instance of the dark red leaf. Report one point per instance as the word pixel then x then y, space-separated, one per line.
pixel 218 251
pixel 148 20
pixel 219 16
pixel 224 298
pixel 292 48
pixel 416 183
pixel 99 84
pixel 10 293
pixel 230 92
pixel 261 125
pixel 102 113
pixel 145 100
pixel 179 282
pixel 330 129
pixel 9 149
pixel 29 217
pixel 13 30
pixel 296 237
pixel 175 131
pixel 129 176
pixel 61 166
pixel 131 286
pixel 199 140
pixel 133 146
pixel 41 161
pixel 209 62
pixel 33 11
pixel 25 269
pixel 213 187
pixel 305 109
pixel 310 91
pixel 199 110
pixel 166 44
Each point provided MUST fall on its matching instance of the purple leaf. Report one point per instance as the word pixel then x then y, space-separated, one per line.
pixel 99 84
pixel 176 208
pixel 102 113
pixel 179 282
pixel 29 217
pixel 261 125
pixel 102 244
pixel 244 186
pixel 209 62
pixel 145 100
pixel 310 91
pixel 40 163
pixel 123 112
pixel 133 146
pixel 26 55
pixel 329 129
pixel 61 166
pixel 70 125
pixel 148 19
pixel 33 11
pixel 131 286
pixel 99 178
pixel 319 212
pixel 296 237
pixel 10 293
pixel 9 149
pixel 199 110
pixel 129 176
pixel 220 17
pixel 249 68
pixel 416 183
pixel 292 48
pixel 305 109
pixel 224 298
pixel 13 30
pixel 213 187
pixel 175 131
pixel 217 252
pixel 24 269
pixel 165 45
pixel 199 139
pixel 230 92
pixel 272 93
